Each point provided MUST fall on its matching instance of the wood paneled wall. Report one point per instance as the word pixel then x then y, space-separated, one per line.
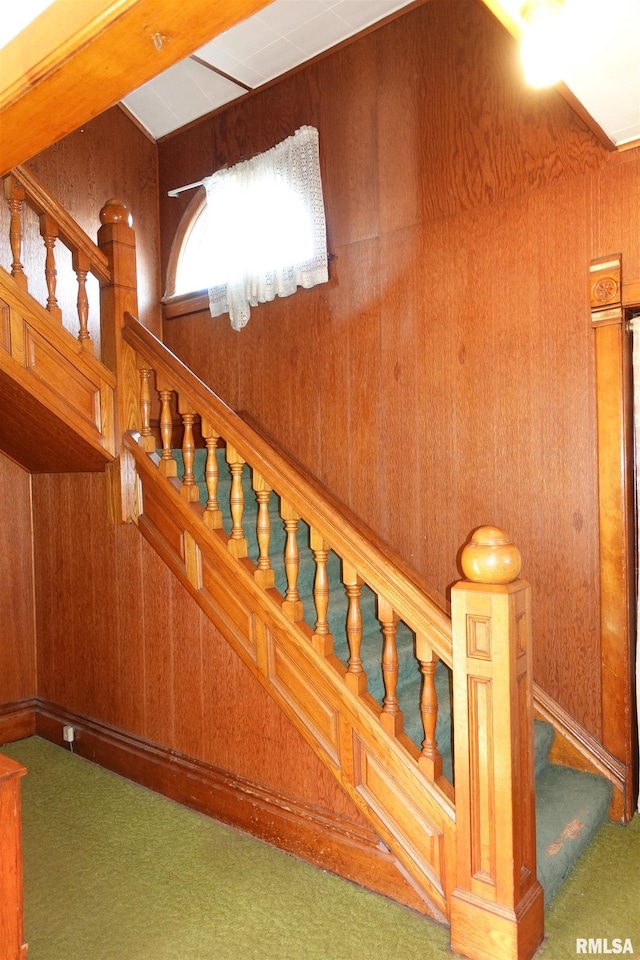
pixel 17 627
pixel 444 377
pixel 120 640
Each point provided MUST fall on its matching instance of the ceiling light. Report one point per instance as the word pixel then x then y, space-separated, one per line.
pixel 544 48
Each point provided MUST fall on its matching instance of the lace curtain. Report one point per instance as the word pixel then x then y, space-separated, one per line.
pixel 266 229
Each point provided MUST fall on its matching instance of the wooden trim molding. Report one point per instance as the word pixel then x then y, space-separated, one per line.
pixel 575 747
pixel 304 830
pixel 616 515
pixel 17 720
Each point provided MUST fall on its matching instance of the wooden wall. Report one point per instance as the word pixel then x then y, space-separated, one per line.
pixel 148 661
pixel 17 627
pixel 444 377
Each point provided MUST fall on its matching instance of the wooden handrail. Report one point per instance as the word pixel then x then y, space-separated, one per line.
pixel 71 234
pixel 414 601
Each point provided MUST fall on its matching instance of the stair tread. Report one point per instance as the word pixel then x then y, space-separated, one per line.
pixel 570 807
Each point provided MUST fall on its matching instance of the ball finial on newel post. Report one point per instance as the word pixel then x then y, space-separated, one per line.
pixel 115 211
pixel 490 557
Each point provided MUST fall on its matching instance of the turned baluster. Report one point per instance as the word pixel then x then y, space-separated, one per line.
pixel 322 638
pixel 14 193
pixel 264 573
pixel 292 604
pixel 430 761
pixel 189 487
pixel 147 440
pixel 355 677
pixel 391 716
pixel 81 265
pixel 167 466
pixel 237 543
pixel 49 233
pixel 213 514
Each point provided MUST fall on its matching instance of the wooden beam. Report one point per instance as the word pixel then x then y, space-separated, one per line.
pixel 77 60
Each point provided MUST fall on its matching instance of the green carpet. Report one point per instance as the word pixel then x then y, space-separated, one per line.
pixel 115 872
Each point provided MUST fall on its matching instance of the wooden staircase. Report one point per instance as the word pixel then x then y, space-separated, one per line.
pixel 470 851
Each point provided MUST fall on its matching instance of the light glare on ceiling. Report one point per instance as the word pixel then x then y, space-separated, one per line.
pixel 544 42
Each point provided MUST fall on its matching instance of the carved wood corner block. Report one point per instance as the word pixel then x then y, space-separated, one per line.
pixel 605 289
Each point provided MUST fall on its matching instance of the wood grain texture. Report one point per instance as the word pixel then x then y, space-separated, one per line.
pixel 86 59
pixel 444 377
pixel 17 646
pixel 154 666
pixel 11 900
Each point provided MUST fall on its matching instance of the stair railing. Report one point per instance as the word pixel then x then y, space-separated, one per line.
pixel 21 188
pixel 494 900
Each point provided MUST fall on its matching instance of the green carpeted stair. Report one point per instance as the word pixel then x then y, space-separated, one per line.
pixel 570 805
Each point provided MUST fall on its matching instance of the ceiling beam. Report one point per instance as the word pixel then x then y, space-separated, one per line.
pixel 78 59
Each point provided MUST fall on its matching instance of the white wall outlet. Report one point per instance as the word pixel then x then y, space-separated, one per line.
pixel 68 733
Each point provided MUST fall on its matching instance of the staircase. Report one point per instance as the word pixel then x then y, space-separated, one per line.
pixel 570 805
pixel 423 713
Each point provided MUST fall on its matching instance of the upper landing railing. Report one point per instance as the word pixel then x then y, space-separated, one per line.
pixel 55 224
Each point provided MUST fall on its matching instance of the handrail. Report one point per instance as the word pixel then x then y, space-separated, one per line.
pixel 414 601
pixel 71 233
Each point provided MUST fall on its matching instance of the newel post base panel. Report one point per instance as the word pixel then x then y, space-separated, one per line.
pixel 12 945
pixel 118 297
pixel 497 905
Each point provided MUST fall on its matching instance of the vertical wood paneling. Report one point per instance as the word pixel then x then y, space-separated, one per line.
pixel 444 377
pixel 120 640
pixel 17 630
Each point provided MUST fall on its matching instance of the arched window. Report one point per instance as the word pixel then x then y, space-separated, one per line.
pixel 257 232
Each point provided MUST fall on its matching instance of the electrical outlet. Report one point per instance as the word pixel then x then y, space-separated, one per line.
pixel 68 733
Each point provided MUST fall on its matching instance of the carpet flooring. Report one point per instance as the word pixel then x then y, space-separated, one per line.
pixel 115 872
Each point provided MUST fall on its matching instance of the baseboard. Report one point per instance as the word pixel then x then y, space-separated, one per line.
pixel 17 719
pixel 311 833
pixel 575 747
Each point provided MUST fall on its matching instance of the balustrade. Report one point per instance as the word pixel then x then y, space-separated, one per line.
pixel 21 191
pixel 391 716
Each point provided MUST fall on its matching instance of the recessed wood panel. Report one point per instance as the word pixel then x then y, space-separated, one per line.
pixel 313 706
pixel 382 793
pixel 55 371
pixel 17 643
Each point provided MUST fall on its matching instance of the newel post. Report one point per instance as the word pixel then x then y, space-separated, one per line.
pixel 119 296
pixel 497 906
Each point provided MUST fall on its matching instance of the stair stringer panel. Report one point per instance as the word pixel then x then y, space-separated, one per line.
pixel 73 390
pixel 413 817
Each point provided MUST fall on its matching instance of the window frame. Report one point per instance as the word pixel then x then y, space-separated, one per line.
pixel 193 301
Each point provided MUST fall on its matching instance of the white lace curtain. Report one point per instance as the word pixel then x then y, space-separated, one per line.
pixel 266 229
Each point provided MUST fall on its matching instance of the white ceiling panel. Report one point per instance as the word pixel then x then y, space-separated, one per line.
pixel 603 58
pixel 181 94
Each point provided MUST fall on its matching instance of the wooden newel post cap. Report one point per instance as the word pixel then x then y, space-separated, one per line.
pixel 490 557
pixel 115 211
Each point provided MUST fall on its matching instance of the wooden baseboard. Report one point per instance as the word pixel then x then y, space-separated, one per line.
pixel 17 719
pixel 575 747
pixel 311 833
